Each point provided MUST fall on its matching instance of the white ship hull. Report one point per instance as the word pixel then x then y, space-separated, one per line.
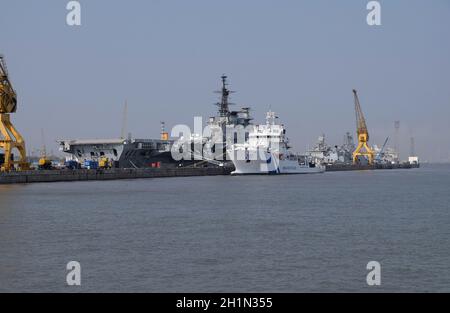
pixel 269 163
pixel 266 150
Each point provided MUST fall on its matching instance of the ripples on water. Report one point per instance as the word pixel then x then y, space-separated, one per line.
pixel 231 234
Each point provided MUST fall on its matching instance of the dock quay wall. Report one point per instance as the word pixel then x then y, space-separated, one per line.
pixel 352 167
pixel 38 176
pixel 106 174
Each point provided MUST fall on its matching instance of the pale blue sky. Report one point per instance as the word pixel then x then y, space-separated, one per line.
pixel 165 57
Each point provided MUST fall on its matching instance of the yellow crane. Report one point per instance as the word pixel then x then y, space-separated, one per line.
pixel 44 162
pixel 363 148
pixel 10 138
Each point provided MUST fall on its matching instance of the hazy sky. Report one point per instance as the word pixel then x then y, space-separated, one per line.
pixel 165 57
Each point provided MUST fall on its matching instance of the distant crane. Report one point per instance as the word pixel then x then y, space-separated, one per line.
pixel 44 162
pixel 412 147
pixel 363 148
pixel 396 140
pixel 381 152
pixel 10 138
pixel 124 121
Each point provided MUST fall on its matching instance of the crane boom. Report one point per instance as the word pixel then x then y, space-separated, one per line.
pixel 380 153
pixel 361 127
pixel 8 97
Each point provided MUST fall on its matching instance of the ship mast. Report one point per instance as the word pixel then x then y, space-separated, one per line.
pixel 224 104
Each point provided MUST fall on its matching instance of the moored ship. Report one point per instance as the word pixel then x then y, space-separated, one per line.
pixel 203 150
pixel 267 151
pixel 123 153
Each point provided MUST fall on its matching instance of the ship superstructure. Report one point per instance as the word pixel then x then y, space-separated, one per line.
pixel 223 130
pixel 323 153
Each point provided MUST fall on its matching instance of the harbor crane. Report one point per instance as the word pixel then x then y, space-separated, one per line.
pixel 381 152
pixel 363 148
pixel 10 138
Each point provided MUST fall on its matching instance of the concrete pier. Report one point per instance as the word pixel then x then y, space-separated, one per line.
pixel 351 167
pixel 106 174
pixel 39 176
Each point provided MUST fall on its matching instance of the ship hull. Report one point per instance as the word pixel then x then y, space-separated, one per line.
pixel 270 164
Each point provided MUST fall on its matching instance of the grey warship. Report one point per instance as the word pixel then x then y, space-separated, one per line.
pixel 144 153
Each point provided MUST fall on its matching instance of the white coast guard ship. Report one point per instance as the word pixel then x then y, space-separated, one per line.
pixel 267 152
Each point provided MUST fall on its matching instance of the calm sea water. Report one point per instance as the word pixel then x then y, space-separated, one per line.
pixel 230 234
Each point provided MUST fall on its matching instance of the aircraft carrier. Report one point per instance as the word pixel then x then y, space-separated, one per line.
pixel 122 153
